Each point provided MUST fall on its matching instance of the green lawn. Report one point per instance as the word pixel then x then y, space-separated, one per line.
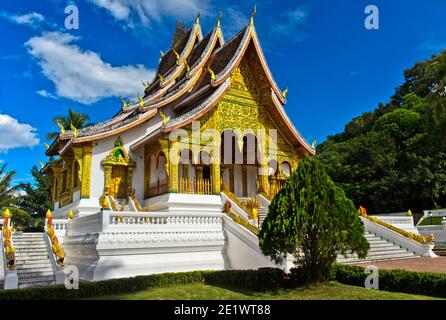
pixel 431 221
pixel 328 291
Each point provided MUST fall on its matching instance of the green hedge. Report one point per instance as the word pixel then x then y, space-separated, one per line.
pixel 265 279
pixel 262 279
pixel 423 283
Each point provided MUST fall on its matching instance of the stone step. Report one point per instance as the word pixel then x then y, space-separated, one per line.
pixel 32 255
pixel 36 274
pixel 37 284
pixel 27 249
pixel 30 236
pixel 33 261
pixel 378 258
pixel 32 246
pixel 36 279
pixel 41 264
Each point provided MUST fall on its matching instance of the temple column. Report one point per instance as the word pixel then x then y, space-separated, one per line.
pixel 216 180
pixel 231 178
pixel 129 178
pixel 86 171
pixel 107 179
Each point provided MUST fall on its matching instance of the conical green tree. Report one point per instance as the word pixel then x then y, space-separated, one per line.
pixel 313 220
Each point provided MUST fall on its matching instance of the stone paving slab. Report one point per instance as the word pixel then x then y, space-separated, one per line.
pixel 423 264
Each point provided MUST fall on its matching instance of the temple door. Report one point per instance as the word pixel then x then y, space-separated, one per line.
pixel 118 182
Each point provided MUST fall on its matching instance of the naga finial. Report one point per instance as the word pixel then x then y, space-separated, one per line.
pixel 284 93
pixel 254 11
pixel 163 117
pixel 187 65
pixel 213 77
pixel 74 129
pixel 62 129
pixel 145 84
pixel 141 101
pixel 177 56
pixel 46 145
pixel 162 53
pixel 41 164
pixel 197 20
pixel 313 145
pixel 124 104
pixel 160 77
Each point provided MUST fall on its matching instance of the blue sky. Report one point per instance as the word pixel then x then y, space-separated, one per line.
pixel 334 67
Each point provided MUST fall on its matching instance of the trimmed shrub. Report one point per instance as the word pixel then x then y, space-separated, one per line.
pixel 423 283
pixel 263 279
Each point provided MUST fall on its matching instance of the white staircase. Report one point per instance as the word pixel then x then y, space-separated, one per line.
pixel 32 260
pixel 263 211
pixel 380 250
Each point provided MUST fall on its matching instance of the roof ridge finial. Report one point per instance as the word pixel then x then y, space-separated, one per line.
pixel 162 53
pixel 254 11
pixel 197 19
pixel 219 19
pixel 213 77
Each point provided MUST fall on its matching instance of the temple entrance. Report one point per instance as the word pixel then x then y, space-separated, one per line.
pixel 118 187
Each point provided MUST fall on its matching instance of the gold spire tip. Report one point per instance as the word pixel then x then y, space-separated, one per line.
pixel 254 11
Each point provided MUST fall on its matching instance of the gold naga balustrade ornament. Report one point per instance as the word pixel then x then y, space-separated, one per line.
pixel 7 242
pixel 55 245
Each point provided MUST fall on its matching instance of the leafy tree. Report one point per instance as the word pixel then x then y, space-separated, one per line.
pixel 19 218
pixel 77 119
pixel 392 158
pixel 37 197
pixel 7 193
pixel 313 220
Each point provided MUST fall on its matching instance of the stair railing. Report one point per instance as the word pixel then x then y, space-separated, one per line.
pixel 237 212
pixel 8 254
pixel 136 202
pixel 56 247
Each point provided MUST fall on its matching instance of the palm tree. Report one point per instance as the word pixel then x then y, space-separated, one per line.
pixel 7 193
pixel 77 119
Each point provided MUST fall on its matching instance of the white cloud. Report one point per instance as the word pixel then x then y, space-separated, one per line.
pixel 233 21
pixel 293 23
pixel 14 134
pixel 46 94
pixel 32 19
pixel 82 75
pixel 146 12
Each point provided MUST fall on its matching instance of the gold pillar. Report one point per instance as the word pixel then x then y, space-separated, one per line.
pixel 264 183
pixel 173 177
pixel 216 180
pixel 129 178
pixel 86 171
pixel 107 179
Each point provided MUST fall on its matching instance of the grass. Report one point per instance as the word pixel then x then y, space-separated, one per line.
pixel 199 291
pixel 434 221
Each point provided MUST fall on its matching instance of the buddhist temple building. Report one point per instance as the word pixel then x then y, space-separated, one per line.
pixel 212 119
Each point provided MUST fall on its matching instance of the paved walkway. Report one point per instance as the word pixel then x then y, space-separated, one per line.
pixel 423 264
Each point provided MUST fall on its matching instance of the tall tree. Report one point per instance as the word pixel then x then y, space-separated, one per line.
pixel 37 197
pixel 393 158
pixel 313 220
pixel 76 118
pixel 7 192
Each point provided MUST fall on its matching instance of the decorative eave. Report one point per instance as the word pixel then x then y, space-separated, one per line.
pixel 172 96
pixel 199 110
pixel 143 118
pixel 180 63
pixel 250 34
pixel 217 35
pixel 290 126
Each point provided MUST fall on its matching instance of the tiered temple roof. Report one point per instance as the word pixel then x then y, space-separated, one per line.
pixel 192 77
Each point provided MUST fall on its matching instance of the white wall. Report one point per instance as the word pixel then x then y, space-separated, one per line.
pixel 102 147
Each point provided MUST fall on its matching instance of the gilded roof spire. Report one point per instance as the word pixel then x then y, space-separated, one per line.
pixel 219 19
pixel 254 11
pixel 197 20
pixel 284 93
pixel 162 53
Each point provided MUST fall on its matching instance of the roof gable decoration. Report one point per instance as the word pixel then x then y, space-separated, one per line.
pixel 249 34
pixel 118 155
